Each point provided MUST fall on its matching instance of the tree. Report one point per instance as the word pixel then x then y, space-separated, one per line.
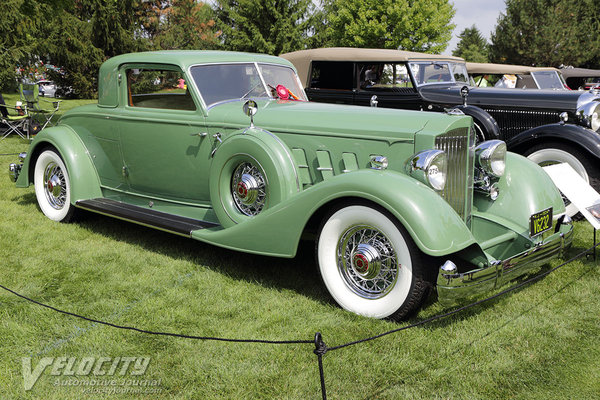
pixel 417 25
pixel 548 33
pixel 184 24
pixel 18 25
pixel 472 46
pixel 264 26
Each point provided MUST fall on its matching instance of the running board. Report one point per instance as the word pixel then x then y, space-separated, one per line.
pixel 155 219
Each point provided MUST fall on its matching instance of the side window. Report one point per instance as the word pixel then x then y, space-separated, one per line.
pixel 384 76
pixel 155 88
pixel 332 75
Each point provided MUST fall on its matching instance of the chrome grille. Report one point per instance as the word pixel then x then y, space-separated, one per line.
pixel 512 122
pixel 458 192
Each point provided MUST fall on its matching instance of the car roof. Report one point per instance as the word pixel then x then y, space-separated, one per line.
pixel 580 72
pixel 501 69
pixel 107 86
pixel 302 58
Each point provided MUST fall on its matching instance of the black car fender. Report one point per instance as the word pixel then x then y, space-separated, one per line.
pixel 486 122
pixel 576 135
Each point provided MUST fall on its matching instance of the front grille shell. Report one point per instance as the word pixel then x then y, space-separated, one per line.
pixel 459 145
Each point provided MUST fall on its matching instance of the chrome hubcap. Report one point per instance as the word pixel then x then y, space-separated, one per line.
pixel 367 262
pixel 55 187
pixel 248 188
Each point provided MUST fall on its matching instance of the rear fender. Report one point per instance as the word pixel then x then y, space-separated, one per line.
pixel 85 183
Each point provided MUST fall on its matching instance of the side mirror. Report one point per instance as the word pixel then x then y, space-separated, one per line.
pixel 250 109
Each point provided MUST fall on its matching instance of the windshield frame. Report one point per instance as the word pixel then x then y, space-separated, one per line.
pixel 256 64
pixel 448 63
pixel 555 73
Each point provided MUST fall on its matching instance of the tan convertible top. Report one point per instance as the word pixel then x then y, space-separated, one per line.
pixel 302 58
pixel 501 69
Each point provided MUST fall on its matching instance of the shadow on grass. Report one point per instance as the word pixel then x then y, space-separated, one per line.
pixel 26 199
pixel 298 274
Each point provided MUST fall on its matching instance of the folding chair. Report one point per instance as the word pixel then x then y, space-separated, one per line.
pixel 16 123
pixel 30 94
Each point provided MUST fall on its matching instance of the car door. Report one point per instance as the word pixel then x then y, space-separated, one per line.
pixel 390 82
pixel 331 82
pixel 162 133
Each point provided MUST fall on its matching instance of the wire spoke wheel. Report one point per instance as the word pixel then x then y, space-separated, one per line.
pixel 55 187
pixel 52 186
pixel 367 261
pixel 370 264
pixel 248 189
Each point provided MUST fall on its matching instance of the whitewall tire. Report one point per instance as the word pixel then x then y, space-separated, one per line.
pixel 53 187
pixel 369 264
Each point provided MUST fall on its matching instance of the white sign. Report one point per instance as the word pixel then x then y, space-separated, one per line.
pixel 577 190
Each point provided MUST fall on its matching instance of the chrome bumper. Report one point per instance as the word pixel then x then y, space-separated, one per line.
pixel 453 286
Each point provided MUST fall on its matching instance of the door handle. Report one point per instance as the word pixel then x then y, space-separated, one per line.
pixel 201 134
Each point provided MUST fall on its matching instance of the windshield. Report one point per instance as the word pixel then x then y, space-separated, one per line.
pixel 548 80
pixel 428 72
pixel 223 82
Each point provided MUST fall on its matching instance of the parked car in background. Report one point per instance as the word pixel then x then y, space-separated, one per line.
pixel 46 88
pixel 547 126
pixel 396 201
pixel 581 78
pixel 515 76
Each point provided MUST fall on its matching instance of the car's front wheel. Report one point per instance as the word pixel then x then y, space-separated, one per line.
pixel 370 264
pixel 53 187
pixel 554 153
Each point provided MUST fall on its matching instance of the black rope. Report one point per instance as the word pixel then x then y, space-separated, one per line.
pixel 320 347
pixel 440 316
pixel 10 154
pixel 131 328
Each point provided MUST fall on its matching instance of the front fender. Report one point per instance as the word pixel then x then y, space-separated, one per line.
pixel 434 226
pixel 579 136
pixel 85 183
pixel 524 189
pixel 488 123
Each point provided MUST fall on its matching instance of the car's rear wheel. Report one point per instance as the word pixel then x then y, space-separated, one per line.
pixel 53 186
pixel 370 264
pixel 554 153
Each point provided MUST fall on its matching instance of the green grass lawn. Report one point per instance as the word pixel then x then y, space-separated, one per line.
pixel 539 342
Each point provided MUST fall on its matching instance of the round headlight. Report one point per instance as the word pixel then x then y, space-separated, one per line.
pixel 594 120
pixel 430 167
pixel 437 171
pixel 490 156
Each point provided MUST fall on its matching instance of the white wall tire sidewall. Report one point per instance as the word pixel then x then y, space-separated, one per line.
pixel 330 234
pixel 43 160
pixel 558 155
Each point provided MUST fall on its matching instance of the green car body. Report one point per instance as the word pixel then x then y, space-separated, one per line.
pixel 259 183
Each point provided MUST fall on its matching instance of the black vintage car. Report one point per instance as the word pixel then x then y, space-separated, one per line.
pixel 548 126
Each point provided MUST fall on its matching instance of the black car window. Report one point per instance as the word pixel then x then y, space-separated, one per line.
pixel 332 75
pixel 384 76
pixel 153 88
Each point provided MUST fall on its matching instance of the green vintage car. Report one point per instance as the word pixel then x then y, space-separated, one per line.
pixel 224 148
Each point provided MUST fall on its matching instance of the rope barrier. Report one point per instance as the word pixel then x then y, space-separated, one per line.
pixel 320 347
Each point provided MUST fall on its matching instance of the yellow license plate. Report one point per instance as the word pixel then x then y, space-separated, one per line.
pixel 540 222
